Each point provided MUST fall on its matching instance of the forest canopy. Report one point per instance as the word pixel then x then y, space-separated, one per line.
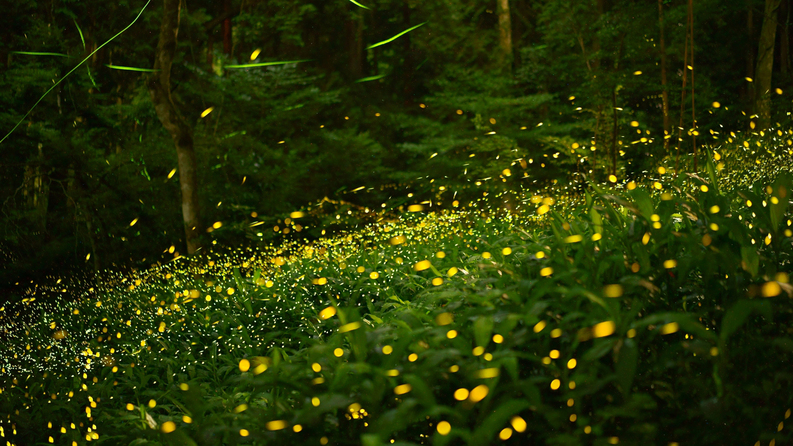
pixel 262 107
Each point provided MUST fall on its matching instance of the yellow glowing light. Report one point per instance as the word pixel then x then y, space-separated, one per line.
pixel 603 329
pixel 461 394
pixel 168 427
pixel 327 313
pixel 444 319
pixel 244 365
pixel 402 389
pixel 206 112
pixel 612 290
pixel 349 327
pixel 275 425
pixel 670 328
pixel 422 265
pixel 770 289
pixel 398 240
pixel 444 428
pixel 478 393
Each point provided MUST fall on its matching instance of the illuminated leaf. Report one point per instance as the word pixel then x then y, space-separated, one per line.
pixel 375 45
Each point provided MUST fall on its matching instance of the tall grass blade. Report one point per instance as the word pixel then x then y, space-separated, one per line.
pixel 72 70
pixel 375 45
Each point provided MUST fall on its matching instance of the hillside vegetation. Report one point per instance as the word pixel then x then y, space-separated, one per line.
pixel 645 311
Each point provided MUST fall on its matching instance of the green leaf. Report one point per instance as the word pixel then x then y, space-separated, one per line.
pixel 123 68
pixel 486 432
pixel 36 53
pixel 781 192
pixel 370 78
pixel 483 328
pixel 751 260
pixel 714 180
pixel 266 64
pixel 82 39
pixel 375 45
pixel 738 313
pixel 358 4
pixel 626 365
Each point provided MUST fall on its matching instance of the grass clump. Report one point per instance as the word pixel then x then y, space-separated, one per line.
pixel 653 313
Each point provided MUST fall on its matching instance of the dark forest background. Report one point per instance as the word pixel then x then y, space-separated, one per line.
pixel 573 90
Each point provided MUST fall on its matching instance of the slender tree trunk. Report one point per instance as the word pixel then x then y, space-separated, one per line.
pixel 784 39
pixel 664 88
pixel 765 64
pixel 693 104
pixel 160 91
pixel 409 65
pixel 227 28
pixel 504 35
pixel 682 100
pixel 614 133
pixel 750 54
pixel 355 51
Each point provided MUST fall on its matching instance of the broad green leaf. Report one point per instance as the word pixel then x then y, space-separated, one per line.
pixel 737 314
pixel 751 259
pixel 626 365
pixel 486 432
pixel 483 328
pixel 781 194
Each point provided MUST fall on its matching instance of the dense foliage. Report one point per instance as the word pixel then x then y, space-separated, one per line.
pixel 92 156
pixel 655 312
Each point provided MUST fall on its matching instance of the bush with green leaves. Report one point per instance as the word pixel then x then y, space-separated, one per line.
pixel 649 313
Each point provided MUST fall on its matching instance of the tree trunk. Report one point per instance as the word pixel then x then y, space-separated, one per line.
pixel 160 91
pixel 504 35
pixel 784 39
pixel 227 28
pixel 765 64
pixel 614 133
pixel 693 104
pixel 408 66
pixel 354 27
pixel 664 89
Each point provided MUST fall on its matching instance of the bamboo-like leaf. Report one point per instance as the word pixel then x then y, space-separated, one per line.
pixel 358 4
pixel 265 64
pixel 82 39
pixel 72 70
pixel 370 78
pixel 37 53
pixel 123 68
pixel 375 45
